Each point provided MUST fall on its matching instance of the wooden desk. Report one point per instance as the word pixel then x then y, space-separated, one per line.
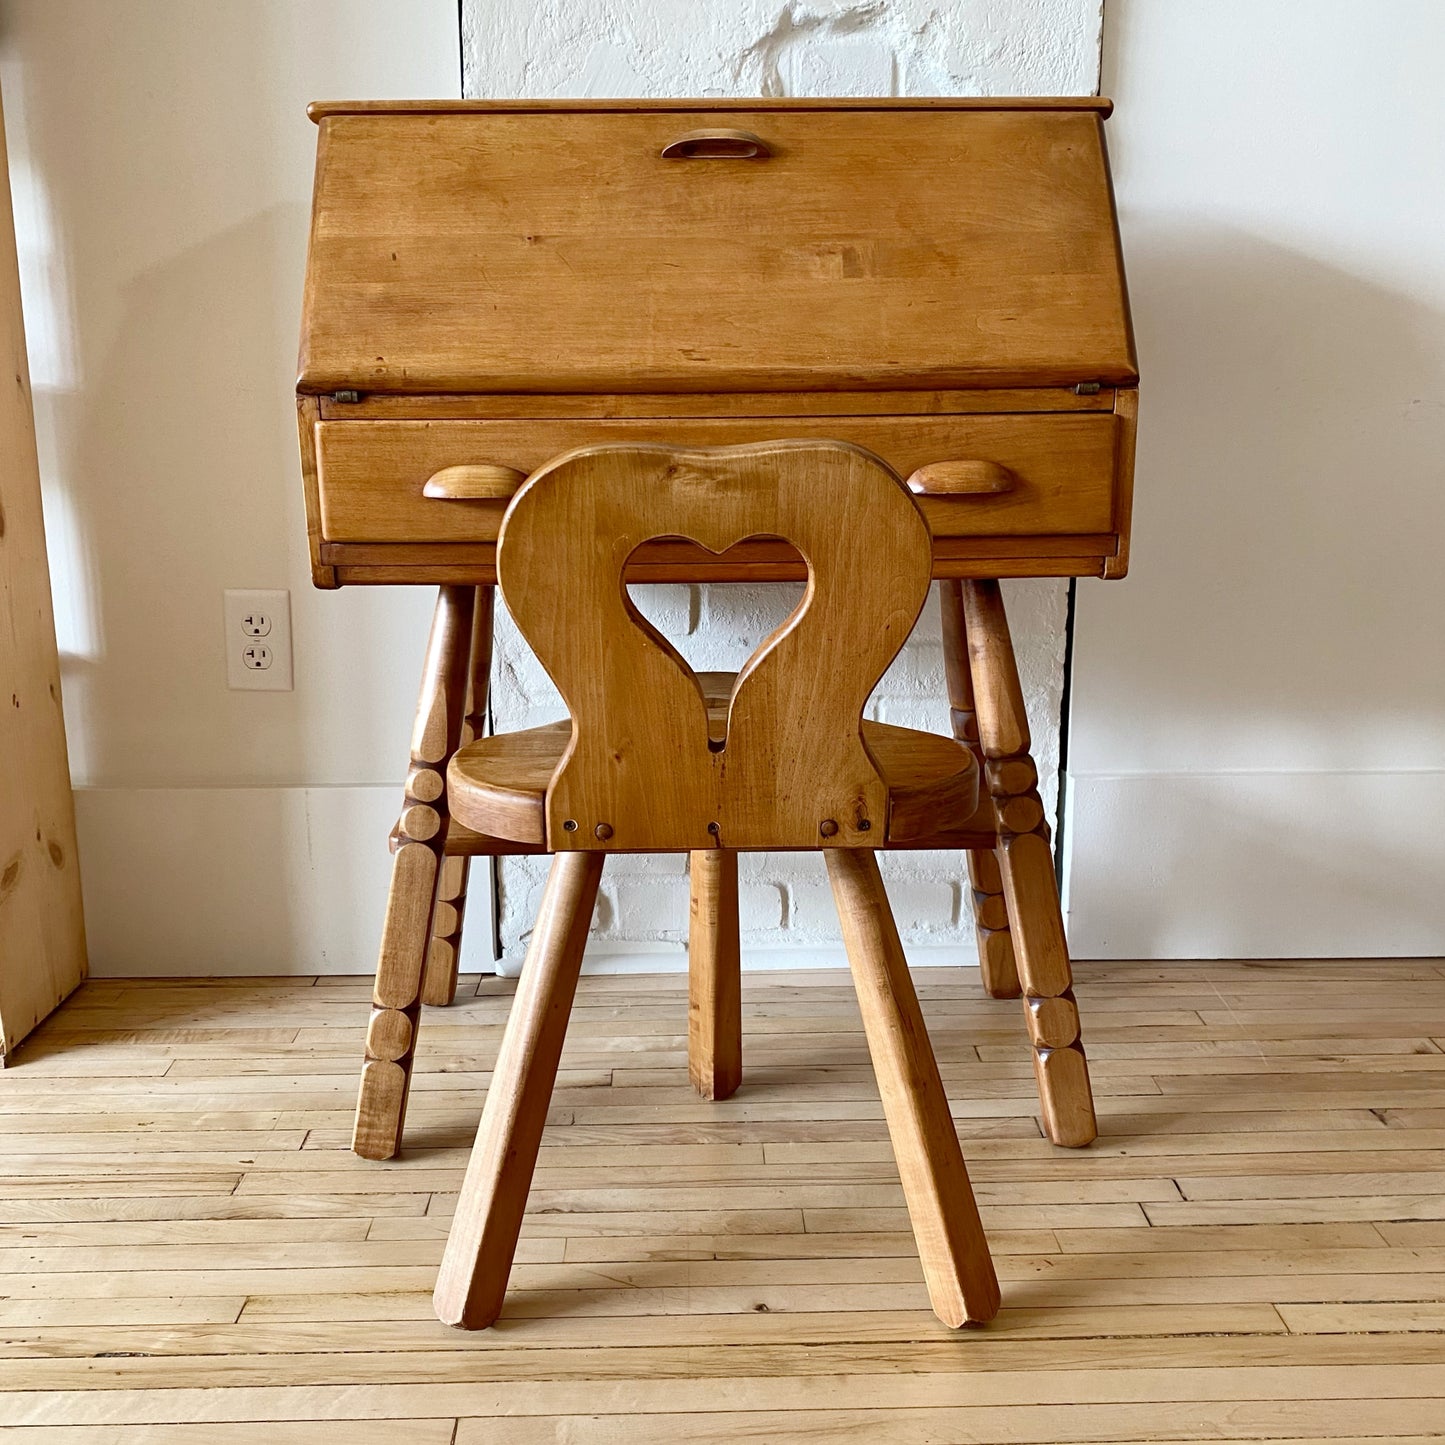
pixel 492 283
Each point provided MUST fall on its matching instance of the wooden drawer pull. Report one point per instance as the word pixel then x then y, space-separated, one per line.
pixel 952 479
pixel 717 145
pixel 483 483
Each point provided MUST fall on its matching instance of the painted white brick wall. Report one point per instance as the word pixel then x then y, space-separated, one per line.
pixel 762 47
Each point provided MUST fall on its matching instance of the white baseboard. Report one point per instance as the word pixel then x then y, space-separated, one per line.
pixel 611 958
pixel 183 882
pixel 237 882
pixel 1256 865
pixel 242 881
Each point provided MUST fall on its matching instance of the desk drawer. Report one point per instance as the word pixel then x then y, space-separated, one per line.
pixel 1061 467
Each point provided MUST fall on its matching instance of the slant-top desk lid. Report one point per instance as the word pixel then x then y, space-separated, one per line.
pixel 490 283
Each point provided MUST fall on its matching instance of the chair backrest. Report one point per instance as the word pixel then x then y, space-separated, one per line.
pixel 640 772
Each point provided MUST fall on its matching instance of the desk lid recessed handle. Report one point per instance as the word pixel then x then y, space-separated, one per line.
pixel 955 479
pixel 717 145
pixel 480 483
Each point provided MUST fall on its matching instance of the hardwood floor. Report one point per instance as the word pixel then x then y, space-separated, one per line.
pixel 1253 1250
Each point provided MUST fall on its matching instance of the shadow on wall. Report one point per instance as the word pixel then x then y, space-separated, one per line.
pixel 183 479
pixel 173 157
pixel 1282 534
pixel 1349 431
pixel 160 464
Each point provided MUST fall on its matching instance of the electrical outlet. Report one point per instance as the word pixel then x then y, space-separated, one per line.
pixel 253 664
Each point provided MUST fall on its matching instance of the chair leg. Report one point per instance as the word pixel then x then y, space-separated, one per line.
pixel 483 1240
pixel 1026 865
pixel 714 989
pixel 420 837
pixel 439 986
pixel 962 1285
pixel 997 967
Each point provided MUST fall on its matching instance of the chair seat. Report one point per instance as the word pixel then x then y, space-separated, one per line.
pixel 497 786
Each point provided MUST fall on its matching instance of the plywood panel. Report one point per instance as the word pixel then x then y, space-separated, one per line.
pixel 42 934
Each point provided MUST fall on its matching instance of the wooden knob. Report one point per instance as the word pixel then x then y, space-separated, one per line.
pixel 970 478
pixel 483 482
pixel 828 828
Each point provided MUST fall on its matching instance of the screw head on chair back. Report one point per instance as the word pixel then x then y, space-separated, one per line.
pixel 793 769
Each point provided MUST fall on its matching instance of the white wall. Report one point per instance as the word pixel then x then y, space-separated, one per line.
pixel 1257 741
pixel 162 162
pixel 776 47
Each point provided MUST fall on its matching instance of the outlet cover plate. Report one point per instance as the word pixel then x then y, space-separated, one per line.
pixel 258 615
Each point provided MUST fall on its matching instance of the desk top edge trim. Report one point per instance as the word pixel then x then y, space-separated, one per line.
pixel 320 110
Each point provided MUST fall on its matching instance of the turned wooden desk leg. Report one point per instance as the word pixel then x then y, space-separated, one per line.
pixel 962 1285
pixel 421 836
pixel 439 987
pixel 439 984
pixel 996 963
pixel 1026 863
pixel 714 988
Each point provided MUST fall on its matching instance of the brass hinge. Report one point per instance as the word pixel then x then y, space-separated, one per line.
pixel 1084 388
pixel 350 398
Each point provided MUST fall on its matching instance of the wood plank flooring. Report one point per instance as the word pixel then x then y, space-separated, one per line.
pixel 1253 1250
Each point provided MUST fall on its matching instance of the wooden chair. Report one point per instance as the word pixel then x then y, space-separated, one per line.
pixel 1021 944
pixel 647 764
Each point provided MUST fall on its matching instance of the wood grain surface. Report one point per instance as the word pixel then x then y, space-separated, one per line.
pixel 373 475
pixel 42 931
pixel 641 770
pixel 488 249
pixel 1253 1250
